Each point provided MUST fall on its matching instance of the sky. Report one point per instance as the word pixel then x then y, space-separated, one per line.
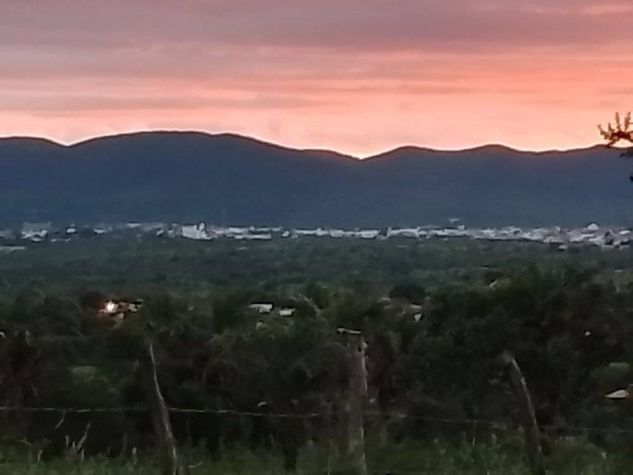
pixel 357 76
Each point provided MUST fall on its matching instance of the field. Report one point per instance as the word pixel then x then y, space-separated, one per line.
pixel 257 392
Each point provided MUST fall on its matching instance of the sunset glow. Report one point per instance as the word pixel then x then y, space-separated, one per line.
pixel 359 76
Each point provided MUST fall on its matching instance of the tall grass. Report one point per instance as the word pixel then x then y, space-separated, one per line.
pixel 494 457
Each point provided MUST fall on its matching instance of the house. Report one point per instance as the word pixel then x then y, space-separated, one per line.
pixel 235 231
pixel 36 232
pixel 197 232
pixel 261 307
pixel 255 236
pixel 286 312
pixel 99 230
pixel 404 232
pixel 304 232
pixel 368 233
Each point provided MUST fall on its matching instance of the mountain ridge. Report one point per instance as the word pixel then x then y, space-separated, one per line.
pixel 193 176
pixel 237 136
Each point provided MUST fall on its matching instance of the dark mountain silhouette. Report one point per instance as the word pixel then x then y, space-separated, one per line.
pixel 186 176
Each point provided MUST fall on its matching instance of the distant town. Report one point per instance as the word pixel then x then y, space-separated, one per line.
pixel 13 239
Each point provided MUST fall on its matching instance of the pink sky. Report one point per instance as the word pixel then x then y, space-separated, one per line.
pixel 358 76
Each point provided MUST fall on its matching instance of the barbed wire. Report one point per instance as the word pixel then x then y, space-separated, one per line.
pixel 491 423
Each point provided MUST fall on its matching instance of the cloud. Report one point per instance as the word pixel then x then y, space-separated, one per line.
pixel 431 25
pixel 358 75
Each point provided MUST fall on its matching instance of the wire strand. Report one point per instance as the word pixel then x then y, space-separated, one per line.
pixel 494 424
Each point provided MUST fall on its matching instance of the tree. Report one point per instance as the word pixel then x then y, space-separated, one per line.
pixel 618 132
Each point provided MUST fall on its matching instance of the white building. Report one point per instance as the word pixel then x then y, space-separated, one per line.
pixel 368 233
pixel 197 232
pixel 261 307
pixel 36 232
pixel 286 312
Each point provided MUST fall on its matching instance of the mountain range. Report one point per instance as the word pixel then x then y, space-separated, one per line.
pixel 231 179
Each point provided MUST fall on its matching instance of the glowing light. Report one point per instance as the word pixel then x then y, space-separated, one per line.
pixel 110 307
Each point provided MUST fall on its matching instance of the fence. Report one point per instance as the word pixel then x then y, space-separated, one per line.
pixel 500 425
pixel 350 417
pixel 330 460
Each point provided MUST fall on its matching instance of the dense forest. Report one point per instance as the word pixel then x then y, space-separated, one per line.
pixel 249 357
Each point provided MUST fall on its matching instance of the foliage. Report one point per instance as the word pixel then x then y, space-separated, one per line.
pixel 436 316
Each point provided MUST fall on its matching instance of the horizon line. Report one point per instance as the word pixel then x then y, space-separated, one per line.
pixel 265 141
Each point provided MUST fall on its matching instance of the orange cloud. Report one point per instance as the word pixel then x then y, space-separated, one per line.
pixel 359 76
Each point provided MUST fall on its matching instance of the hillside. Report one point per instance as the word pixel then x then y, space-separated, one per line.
pixel 185 176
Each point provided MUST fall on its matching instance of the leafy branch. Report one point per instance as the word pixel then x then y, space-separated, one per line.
pixel 620 130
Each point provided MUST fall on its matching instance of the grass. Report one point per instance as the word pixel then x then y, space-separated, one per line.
pixel 495 457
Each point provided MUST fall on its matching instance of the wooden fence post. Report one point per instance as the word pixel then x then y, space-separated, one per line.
pixel 18 362
pixel 351 410
pixel 530 426
pixel 168 453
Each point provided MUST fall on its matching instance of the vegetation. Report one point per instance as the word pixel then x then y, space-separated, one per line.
pixel 436 316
